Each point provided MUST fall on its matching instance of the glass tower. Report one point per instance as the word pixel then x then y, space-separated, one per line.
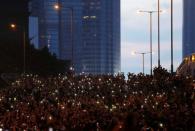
pixel 86 32
pixel 188 27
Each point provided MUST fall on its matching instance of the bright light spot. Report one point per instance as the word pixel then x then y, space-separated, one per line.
pixel 56 6
pixel 50 129
pixel 138 11
pixel 163 11
pixel 13 25
pixel 14 98
pixel 161 125
pixel 63 107
pixel 133 53
pixel 50 118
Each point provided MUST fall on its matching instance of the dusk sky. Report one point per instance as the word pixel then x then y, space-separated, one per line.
pixel 135 34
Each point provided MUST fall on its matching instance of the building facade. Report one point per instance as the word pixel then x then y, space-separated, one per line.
pixel 188 27
pixel 86 32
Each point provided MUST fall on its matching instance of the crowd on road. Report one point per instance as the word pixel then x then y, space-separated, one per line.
pixel 83 102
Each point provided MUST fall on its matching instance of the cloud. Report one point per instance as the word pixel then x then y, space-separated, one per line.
pixel 135 33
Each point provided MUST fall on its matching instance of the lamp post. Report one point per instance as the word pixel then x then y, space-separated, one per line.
pixel 150 15
pixel 14 26
pixel 158 33
pixel 143 57
pixel 172 37
pixel 59 7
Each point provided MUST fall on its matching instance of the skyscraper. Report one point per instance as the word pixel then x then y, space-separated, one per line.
pixel 86 32
pixel 188 27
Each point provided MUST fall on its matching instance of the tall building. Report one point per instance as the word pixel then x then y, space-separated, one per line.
pixel 188 27
pixel 86 32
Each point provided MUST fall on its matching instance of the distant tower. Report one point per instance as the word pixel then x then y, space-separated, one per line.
pixel 188 27
pixel 101 36
pixel 96 33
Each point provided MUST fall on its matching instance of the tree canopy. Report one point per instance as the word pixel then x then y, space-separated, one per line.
pixel 37 61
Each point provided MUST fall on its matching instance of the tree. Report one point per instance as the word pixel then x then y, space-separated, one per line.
pixel 37 61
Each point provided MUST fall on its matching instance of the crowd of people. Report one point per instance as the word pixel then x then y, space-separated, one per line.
pixel 83 102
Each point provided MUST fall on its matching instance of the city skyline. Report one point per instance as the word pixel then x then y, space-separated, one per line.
pixel 86 33
pixel 135 34
pixel 71 79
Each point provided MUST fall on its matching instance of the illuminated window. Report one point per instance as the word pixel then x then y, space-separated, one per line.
pixel 193 58
pixel 186 59
pixel 93 17
pixel 85 17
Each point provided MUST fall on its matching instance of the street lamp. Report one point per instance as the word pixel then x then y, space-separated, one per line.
pixel 56 6
pixel 150 14
pixel 14 27
pixel 158 33
pixel 143 57
pixel 172 37
pixel 59 7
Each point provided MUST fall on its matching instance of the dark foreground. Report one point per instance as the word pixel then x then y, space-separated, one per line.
pixel 99 103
